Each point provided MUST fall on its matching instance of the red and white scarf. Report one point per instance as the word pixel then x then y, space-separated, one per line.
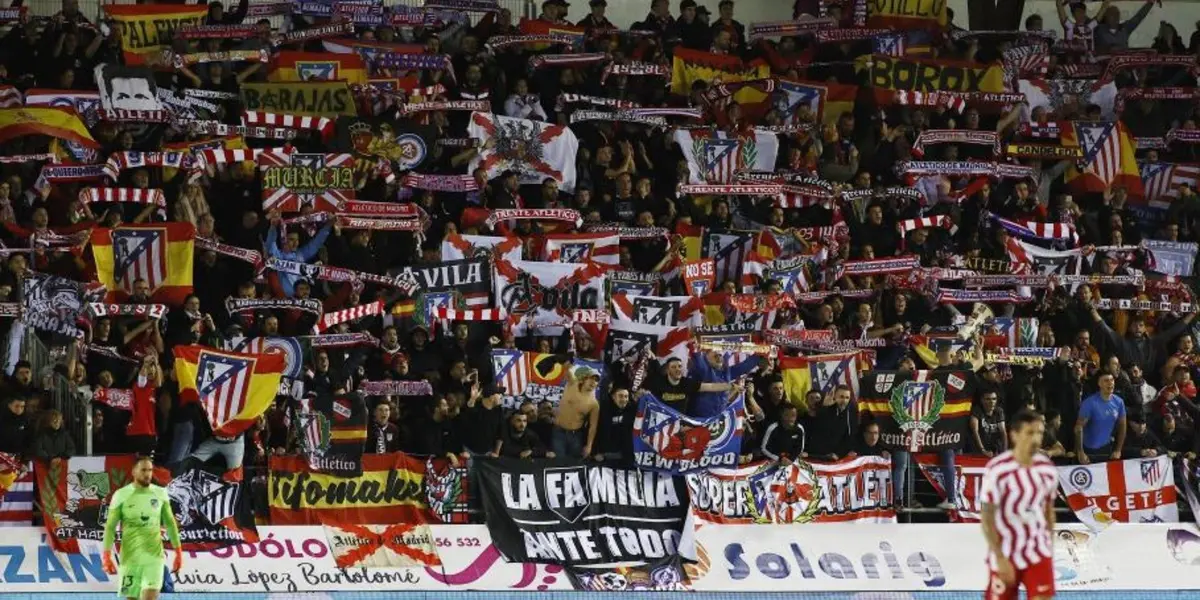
pixel 324 125
pixel 636 69
pixel 395 388
pixel 150 311
pixel 440 183
pixel 129 195
pixel 459 105
pixel 543 214
pixel 346 315
pixel 243 254
pixel 565 99
pixel 561 60
pixel 956 136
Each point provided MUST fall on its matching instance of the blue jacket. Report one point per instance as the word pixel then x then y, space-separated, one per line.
pixel 303 254
pixel 708 404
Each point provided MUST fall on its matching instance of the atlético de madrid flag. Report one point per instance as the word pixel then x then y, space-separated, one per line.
pixel 716 157
pixel 536 151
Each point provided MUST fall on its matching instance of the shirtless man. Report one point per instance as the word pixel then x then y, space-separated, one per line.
pixel 578 409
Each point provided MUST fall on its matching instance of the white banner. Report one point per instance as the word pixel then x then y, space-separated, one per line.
pixel 858 557
pixel 536 151
pixel 1136 490
pixel 826 557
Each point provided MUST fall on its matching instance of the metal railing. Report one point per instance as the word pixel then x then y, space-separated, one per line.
pixel 61 393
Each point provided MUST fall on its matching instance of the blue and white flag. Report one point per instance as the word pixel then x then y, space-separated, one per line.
pixel 666 440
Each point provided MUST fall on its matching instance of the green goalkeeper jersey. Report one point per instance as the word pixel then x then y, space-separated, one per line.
pixel 141 512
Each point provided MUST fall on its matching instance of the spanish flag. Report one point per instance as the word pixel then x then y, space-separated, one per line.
pixel 714 308
pixel 318 66
pixel 1108 158
pixel 692 236
pixel 146 29
pixel 821 372
pixel 158 253
pixel 693 65
pixel 232 388
pixel 56 123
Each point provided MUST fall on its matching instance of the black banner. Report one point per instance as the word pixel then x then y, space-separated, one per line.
pixel 567 513
pixel 453 284
pixel 213 510
pixel 332 431
pixel 666 575
pixel 922 411
pixel 406 144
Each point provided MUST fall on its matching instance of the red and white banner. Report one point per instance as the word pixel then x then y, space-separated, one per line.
pixel 700 276
pixel 857 489
pixel 583 247
pixel 373 546
pixel 1136 490
pixel 968 478
pixel 536 151
pixel 459 247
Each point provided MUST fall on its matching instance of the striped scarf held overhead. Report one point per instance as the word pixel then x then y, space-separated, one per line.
pixel 353 313
pixel 395 388
pixel 198 58
pixel 155 197
pixel 776 29
pixel 1026 62
pixel 505 41
pixel 468 314
pixel 243 254
pixel 630 233
pixel 332 30
pixel 565 99
pixel 327 273
pixel 624 116
pixel 251 131
pixel 458 105
pixel 340 340
pixel 636 69
pixel 561 60
pixel 877 266
pixel 951 296
pixel 568 215
pixel 440 183
pixel 1190 94
pixel 150 311
pixel 121 161
pixel 413 62
pixel 220 156
pixel 826 36
pixel 270 8
pixel 415 225
pixel 1146 305
pixel 965 168
pixel 325 125
pixel 1038 229
pixel 52 174
pixel 956 136
pixel 943 221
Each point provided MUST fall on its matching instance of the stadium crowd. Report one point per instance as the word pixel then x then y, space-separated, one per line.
pixel 1122 384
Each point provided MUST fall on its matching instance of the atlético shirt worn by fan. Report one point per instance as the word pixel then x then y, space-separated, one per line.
pixel 1020 495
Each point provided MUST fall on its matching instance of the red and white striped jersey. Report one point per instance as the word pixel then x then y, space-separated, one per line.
pixel 1020 495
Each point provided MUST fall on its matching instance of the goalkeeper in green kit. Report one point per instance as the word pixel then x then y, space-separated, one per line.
pixel 141 509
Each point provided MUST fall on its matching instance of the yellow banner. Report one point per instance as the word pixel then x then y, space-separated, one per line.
pixel 314 98
pixel 146 29
pixel 920 13
pixel 928 75
pixel 1051 151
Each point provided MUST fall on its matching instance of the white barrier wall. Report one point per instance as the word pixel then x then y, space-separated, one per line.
pixel 742 558
pixel 1182 14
